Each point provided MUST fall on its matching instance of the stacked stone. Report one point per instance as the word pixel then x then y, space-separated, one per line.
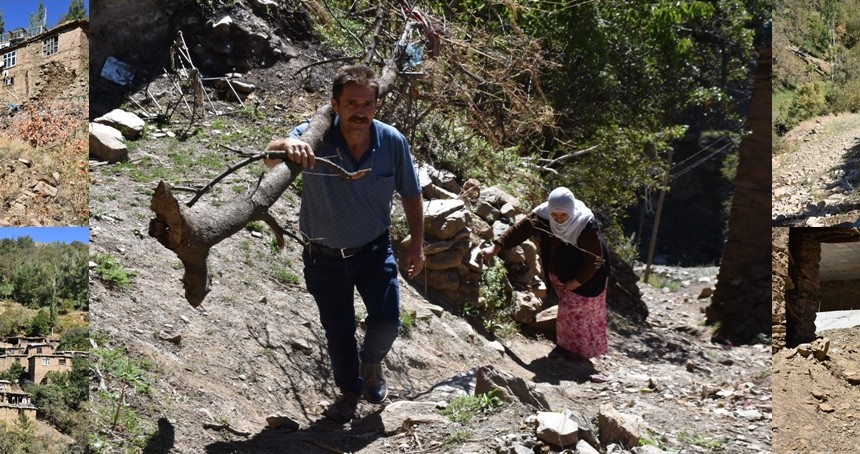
pixel 780 282
pixel 450 235
pixel 803 304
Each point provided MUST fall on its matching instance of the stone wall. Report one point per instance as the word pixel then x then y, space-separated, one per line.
pixel 802 301
pixel 840 295
pixel 740 298
pixel 460 220
pixel 26 78
pixel 780 282
pixel 9 413
pixel 56 363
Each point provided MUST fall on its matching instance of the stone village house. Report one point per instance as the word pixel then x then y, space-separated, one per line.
pixel 14 402
pixel 38 356
pixel 30 58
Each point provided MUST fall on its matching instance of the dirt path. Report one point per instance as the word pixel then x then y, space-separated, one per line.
pixel 815 180
pixel 816 403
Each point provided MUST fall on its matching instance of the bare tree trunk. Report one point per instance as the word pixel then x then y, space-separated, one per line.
pixel 191 232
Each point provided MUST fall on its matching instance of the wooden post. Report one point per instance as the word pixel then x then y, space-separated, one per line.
pixel 653 242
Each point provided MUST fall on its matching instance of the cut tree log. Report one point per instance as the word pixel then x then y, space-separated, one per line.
pixel 192 232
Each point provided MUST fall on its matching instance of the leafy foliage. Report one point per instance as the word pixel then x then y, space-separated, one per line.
pixel 51 275
pixel 76 10
pixel 13 373
pixel 110 271
pixel 590 95
pixel 464 408
pixel 116 425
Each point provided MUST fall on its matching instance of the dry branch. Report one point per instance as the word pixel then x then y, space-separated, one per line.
pixel 191 232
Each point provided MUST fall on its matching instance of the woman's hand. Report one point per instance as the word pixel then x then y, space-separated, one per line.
pixel 572 285
pixel 488 252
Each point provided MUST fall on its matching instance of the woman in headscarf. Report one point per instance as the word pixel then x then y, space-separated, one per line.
pixel 576 263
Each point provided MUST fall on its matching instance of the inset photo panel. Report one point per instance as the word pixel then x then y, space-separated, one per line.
pixel 44 339
pixel 44 101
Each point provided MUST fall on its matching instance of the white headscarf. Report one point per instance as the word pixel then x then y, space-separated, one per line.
pixel 561 199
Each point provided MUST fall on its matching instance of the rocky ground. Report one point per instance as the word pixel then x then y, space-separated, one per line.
pixel 254 348
pixel 816 175
pixel 43 178
pixel 816 399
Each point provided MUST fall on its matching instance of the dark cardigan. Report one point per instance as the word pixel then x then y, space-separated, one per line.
pixel 564 260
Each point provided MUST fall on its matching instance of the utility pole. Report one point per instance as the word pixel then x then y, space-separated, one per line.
pixel 653 242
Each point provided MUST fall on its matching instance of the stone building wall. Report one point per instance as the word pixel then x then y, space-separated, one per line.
pixel 739 303
pixel 26 78
pixel 56 363
pixel 803 300
pixel 840 295
pixel 780 282
pixel 9 413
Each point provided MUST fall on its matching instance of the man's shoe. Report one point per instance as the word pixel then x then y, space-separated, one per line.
pixel 375 389
pixel 343 409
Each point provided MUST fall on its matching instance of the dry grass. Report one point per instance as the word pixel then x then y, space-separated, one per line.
pixel 48 143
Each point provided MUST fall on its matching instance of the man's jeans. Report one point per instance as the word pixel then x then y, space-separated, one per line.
pixel 331 281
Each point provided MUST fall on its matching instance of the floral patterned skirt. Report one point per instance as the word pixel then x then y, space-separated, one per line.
pixel 581 322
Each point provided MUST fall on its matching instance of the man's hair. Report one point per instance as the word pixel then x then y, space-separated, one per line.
pixel 357 74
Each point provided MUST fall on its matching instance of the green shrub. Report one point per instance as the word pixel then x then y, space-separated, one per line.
pixel 808 102
pixel 285 276
pixel 111 272
pixel 463 409
pixel 846 97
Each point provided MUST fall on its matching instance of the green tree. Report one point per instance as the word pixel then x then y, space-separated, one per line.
pixel 37 18
pixel 13 373
pixel 41 324
pixel 32 281
pixel 76 11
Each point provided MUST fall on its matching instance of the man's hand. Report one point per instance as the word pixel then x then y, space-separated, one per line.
pixel 298 152
pixel 415 260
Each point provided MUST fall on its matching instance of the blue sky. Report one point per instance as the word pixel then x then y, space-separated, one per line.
pixel 16 13
pixel 48 234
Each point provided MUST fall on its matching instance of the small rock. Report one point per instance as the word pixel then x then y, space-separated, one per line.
pixel 170 337
pixel 826 408
pixel 282 422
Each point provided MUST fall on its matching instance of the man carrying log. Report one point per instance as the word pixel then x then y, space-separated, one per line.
pixel 345 227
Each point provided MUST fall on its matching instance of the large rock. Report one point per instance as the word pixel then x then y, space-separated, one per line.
pixel 442 279
pixel 557 429
pixel 445 226
pixel 222 27
pixel 622 428
pixel 545 321
pixel 526 307
pixel 106 144
pixel 452 257
pixel 498 197
pixel 130 125
pixel 510 387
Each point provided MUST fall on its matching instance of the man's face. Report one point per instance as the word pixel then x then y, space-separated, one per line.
pixel 356 107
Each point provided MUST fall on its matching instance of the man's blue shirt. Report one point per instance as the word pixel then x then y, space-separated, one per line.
pixel 342 213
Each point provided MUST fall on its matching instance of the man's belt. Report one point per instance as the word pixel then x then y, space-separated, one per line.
pixel 341 252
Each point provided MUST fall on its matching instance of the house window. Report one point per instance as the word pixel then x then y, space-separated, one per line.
pixel 9 59
pixel 39 350
pixel 46 361
pixel 8 80
pixel 50 46
pixel 62 361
